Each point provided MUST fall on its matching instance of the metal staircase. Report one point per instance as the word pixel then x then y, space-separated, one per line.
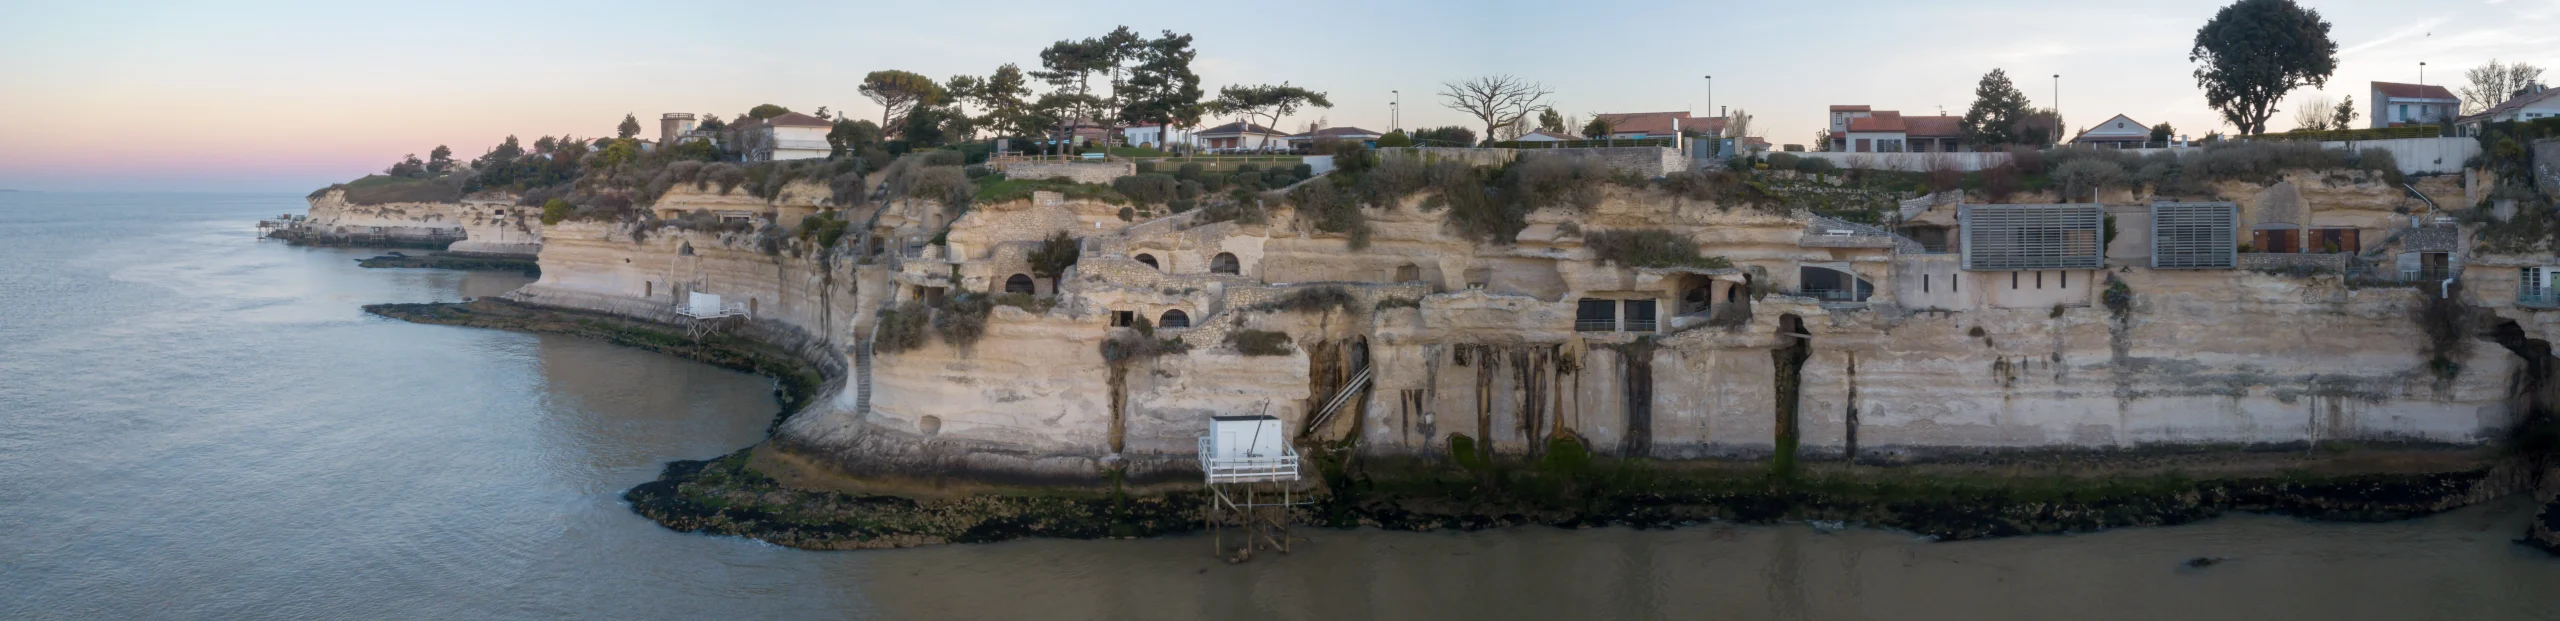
pixel 1359 381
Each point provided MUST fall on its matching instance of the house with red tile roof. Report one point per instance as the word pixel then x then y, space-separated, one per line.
pixel 1861 129
pixel 2395 104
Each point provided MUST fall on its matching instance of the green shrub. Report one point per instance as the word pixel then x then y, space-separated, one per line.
pixel 1462 449
pixel 1814 165
pixel 962 320
pixel 901 328
pixel 1146 167
pixel 555 211
pixel 1649 247
pixel 945 157
pixel 1312 300
pixel 1259 342
pixel 1190 171
pixel 1149 188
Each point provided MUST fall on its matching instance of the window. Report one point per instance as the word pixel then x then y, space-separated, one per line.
pixel 2066 280
pixel 1149 259
pixel 1123 319
pixel 1173 319
pixel 1596 316
pixel 1019 283
pixel 1640 315
pixel 2039 280
pixel 1225 263
pixel 2404 112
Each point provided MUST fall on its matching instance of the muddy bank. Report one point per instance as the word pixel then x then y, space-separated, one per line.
pixel 731 496
pixel 797 380
pixel 458 261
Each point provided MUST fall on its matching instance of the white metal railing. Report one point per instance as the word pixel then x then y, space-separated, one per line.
pixel 1282 467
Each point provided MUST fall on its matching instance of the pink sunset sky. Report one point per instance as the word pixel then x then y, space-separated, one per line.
pixel 287 97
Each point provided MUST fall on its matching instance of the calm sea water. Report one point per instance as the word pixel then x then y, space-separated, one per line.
pixel 197 424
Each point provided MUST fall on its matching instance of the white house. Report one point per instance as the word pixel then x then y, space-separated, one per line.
pixel 2395 104
pixel 2534 102
pixel 1240 135
pixel 792 136
pixel 1153 136
pixel 2121 132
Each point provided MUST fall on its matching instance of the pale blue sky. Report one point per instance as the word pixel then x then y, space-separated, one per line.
pixel 291 96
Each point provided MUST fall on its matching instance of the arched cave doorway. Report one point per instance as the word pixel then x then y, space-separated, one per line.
pixel 1173 319
pixel 1019 283
pixel 1225 263
pixel 1149 259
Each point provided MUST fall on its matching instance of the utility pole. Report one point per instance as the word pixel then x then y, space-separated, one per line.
pixel 1395 112
pixel 2057 109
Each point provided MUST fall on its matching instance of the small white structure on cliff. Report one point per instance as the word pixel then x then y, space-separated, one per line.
pixel 1247 449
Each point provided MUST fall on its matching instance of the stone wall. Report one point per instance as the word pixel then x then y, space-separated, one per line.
pixel 2287 263
pixel 1098 173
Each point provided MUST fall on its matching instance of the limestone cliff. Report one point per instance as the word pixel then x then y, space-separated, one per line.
pixel 1748 356
pixel 490 224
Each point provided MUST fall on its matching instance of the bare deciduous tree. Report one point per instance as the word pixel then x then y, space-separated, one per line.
pixel 2314 113
pixel 2493 83
pixel 1499 101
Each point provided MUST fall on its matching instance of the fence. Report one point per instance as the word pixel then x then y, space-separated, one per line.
pixel 1912 162
pixel 1587 144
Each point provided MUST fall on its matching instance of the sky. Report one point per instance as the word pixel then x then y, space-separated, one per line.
pixel 282 96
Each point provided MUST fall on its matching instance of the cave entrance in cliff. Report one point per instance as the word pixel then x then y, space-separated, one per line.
pixel 1019 283
pixel 1697 295
pixel 1149 260
pixel 1173 318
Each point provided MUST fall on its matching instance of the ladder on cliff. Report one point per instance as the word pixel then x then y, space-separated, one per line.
pixel 1350 389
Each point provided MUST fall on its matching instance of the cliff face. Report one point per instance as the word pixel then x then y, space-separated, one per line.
pixel 1483 340
pixel 493 225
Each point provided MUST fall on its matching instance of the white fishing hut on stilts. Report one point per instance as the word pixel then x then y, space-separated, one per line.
pixel 1250 469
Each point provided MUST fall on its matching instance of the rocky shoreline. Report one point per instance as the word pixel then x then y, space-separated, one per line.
pixel 457 261
pixel 1566 488
pixel 729 496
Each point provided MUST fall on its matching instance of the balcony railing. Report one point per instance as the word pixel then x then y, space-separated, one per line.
pixel 2546 298
pixel 1595 325
pixel 1282 467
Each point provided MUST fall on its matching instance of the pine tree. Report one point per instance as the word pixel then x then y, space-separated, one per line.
pixel 1997 109
pixel 630 127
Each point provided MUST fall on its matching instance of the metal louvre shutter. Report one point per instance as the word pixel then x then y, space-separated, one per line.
pixel 2194 235
pixel 2032 237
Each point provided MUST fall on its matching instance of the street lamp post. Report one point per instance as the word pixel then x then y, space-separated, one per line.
pixel 2057 109
pixel 2422 89
pixel 1711 94
pixel 1395 112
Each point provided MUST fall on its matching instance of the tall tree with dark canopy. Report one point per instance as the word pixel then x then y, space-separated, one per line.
pixel 1495 100
pixel 1266 100
pixel 1003 99
pixel 1550 121
pixel 1162 89
pixel 630 127
pixel 1997 109
pixel 1068 67
pixel 2255 51
pixel 766 111
pixel 898 93
pixel 2493 83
